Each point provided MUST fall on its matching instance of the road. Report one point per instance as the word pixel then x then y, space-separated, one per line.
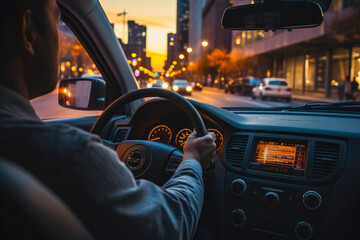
pixel 217 97
pixel 47 106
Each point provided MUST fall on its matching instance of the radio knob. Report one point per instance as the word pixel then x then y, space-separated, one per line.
pixel 238 218
pixel 312 200
pixel 303 231
pixel 238 187
pixel 271 199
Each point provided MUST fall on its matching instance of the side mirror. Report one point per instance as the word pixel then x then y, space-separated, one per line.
pixel 82 93
pixel 273 16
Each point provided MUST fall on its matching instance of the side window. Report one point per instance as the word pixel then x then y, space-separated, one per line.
pixel 74 62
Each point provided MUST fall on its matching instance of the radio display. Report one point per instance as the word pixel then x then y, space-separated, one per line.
pixel 280 156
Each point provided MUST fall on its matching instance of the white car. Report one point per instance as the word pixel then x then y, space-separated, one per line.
pixel 272 87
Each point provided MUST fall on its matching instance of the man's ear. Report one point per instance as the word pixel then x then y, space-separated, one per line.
pixel 27 33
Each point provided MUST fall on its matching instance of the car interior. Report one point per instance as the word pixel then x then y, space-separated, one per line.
pixel 285 173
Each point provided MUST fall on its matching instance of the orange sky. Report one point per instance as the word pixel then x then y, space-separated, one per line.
pixel 159 16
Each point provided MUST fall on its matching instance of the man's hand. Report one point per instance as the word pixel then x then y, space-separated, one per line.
pixel 201 149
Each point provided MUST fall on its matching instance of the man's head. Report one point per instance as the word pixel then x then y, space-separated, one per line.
pixel 30 46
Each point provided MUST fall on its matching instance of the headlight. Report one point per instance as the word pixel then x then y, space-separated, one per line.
pixel 149 85
pixel 165 85
pixel 189 88
pixel 175 88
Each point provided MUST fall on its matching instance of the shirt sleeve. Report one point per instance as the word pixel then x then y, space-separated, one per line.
pixel 125 208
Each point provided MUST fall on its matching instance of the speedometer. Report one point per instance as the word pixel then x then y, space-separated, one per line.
pixel 219 139
pixel 161 134
pixel 182 136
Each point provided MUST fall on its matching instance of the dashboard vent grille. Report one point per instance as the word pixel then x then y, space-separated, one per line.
pixel 235 151
pixel 326 157
pixel 121 134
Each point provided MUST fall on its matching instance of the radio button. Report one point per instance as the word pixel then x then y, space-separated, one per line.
pixel 271 199
pixel 303 231
pixel 312 200
pixel 238 187
pixel 238 218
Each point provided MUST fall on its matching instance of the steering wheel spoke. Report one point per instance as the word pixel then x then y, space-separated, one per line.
pixel 148 159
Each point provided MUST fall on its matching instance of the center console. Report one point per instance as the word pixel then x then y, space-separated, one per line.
pixel 280 187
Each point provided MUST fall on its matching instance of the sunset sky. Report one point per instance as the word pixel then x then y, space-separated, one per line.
pixel 159 16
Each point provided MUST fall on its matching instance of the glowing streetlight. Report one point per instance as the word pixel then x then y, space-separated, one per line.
pixel 133 55
pixel 167 74
pixel 189 49
pixel 204 43
pixel 181 56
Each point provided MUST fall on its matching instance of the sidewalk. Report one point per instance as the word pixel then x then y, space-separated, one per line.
pixel 313 98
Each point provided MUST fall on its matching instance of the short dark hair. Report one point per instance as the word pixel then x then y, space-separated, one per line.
pixel 10 9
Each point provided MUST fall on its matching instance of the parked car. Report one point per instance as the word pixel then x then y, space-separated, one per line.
pixel 182 87
pixel 197 86
pixel 233 86
pixel 272 87
pixel 247 84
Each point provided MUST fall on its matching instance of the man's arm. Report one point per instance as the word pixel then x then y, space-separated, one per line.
pixel 124 208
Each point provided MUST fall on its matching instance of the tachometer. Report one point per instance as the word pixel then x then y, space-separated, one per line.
pixel 161 134
pixel 182 136
pixel 219 139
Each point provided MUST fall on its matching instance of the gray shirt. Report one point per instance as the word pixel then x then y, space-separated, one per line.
pixel 94 183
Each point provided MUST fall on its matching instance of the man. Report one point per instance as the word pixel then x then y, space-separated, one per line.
pixel 74 164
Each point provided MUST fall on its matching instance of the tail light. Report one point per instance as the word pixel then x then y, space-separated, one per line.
pixel 268 88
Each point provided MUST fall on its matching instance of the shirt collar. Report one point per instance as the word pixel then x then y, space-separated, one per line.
pixel 14 104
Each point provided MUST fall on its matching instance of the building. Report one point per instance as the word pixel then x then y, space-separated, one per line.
pixel 195 27
pixel 172 52
pixel 212 31
pixel 136 45
pixel 182 25
pixel 314 60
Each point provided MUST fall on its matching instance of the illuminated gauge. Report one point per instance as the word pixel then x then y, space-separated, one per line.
pixel 219 139
pixel 161 134
pixel 182 136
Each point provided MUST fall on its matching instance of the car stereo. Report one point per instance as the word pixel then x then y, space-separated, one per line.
pixel 282 156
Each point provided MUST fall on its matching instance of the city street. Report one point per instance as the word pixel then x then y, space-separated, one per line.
pixel 47 106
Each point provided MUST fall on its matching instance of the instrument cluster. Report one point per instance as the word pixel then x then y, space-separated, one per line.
pixel 164 134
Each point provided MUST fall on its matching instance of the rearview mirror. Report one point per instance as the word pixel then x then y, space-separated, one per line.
pixel 273 16
pixel 82 93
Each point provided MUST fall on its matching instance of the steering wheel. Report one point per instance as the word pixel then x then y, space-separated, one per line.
pixel 150 160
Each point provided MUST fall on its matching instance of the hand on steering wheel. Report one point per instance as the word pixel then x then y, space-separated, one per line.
pixel 152 160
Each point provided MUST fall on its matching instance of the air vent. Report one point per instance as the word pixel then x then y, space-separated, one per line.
pixel 326 157
pixel 121 134
pixel 235 150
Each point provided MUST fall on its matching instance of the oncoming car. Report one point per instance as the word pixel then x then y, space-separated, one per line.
pixel 282 170
pixel 182 87
pixel 272 88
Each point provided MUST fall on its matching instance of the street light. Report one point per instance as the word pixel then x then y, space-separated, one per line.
pixel 181 56
pixel 189 49
pixel 124 13
pixel 205 43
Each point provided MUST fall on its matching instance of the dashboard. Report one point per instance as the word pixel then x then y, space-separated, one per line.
pixel 278 175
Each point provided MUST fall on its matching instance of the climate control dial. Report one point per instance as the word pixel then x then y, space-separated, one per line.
pixel 238 187
pixel 312 200
pixel 238 218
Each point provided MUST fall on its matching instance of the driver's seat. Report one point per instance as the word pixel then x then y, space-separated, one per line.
pixel 29 210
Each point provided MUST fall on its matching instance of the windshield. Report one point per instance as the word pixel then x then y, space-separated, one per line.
pixel 277 83
pixel 180 83
pixel 182 39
